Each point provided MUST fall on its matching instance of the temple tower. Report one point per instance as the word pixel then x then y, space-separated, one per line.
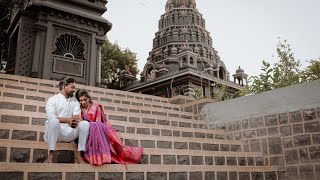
pixel 51 39
pixel 184 47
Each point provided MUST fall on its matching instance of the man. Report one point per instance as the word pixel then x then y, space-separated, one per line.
pixel 64 122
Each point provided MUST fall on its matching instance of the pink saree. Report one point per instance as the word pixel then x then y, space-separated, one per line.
pixel 100 126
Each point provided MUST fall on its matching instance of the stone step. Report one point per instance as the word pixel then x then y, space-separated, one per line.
pixel 134 172
pixel 29 151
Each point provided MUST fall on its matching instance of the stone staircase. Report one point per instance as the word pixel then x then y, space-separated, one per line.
pixel 177 143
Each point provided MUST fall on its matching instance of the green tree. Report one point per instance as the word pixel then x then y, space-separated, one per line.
pixel 114 59
pixel 263 82
pixel 312 72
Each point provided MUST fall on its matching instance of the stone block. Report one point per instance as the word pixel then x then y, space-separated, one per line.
pixel 199 135
pixel 134 110
pixel 38 121
pixel 231 161
pixel 285 130
pixel 105 99
pixel 244 176
pixel 44 176
pixel 20 155
pixel 303 154
pixel 255 145
pixel 144 159
pixel 40 155
pixel 131 130
pixel 219 160
pixel 143 131
pixel 196 175
pixel 30 108
pixel 292 172
pixel 264 146
pixel 275 145
pixel 42 109
pixel 222 175
pixel 257 176
pixel 118 118
pixel 165 132
pixel 233 175
pixel 245 124
pixel 14 119
pixel 3 154
pixel 291 157
pixel 122 109
pixel 262 132
pixel 80 175
pixel 238 136
pixel 163 122
pixel 134 176
pixel 145 112
pixel 156 132
pixel 4 133
pixel 315 153
pixel 256 122
pixel 242 161
pixel 316 138
pixel 13 95
pixel 297 129
pixel 306 172
pixel 24 135
pixel 224 147
pixel 235 148
pixel 277 161
pixel 156 176
pixel 259 161
pixel 131 142
pixel 180 145
pixel 195 125
pixel 187 134
pixel 302 140
pixel 174 123
pixel 176 133
pixel 164 144
pixel 110 176
pixel 119 129
pixel 287 143
pixel 178 175
pixel 312 127
pixel 36 98
pixel 317 169
pixel 209 175
pixel 250 161
pixel 184 124
pixel 220 136
pixel 11 175
pixel 210 147
pixel 197 160
pixel 283 118
pixel 63 156
pixel 134 119
pixel 173 115
pixel 221 126
pixel 14 87
pixel 147 143
pixel 270 175
pixel 155 159
pixel 271 120
pixel 274 131
pixel 169 159
pixel 309 114
pixel 249 134
pixel 194 146
pixel 148 121
pixel 183 159
pixel 295 116
pixel 208 160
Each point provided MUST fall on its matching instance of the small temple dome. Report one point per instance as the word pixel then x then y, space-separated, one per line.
pixel 187 48
pixel 239 70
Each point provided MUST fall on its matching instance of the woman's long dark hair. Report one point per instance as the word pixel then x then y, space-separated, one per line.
pixel 83 92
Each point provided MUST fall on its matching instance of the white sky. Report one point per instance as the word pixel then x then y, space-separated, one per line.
pixel 244 32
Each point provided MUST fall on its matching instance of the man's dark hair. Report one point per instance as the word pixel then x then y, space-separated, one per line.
pixel 65 81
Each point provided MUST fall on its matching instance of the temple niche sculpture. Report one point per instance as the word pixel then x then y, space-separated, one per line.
pixel 182 60
pixel 51 39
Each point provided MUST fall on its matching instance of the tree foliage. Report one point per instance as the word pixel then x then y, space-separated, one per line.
pixel 113 60
pixel 312 72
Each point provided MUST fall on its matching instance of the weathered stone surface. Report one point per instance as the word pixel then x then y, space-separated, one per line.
pixel 220 136
pixel 156 176
pixel 4 133
pixel 274 131
pixel 21 155
pixel 292 171
pixel 118 118
pixel 303 154
pixel 316 138
pixel 13 95
pixel 3 154
pixel 317 171
pixel 14 119
pixel 143 131
pixel 145 112
pixel 275 145
pixel 144 159
pixel 270 175
pixel 155 159
pixel 257 175
pixel 250 161
pixel 224 147
pixel 180 145
pixel 187 134
pixel 297 129
pixel 156 132
pixel 264 147
pixel 259 161
pixel 174 123
pixel 233 175
pixel 271 120
pixel 219 160
pixel 287 142
pixel 148 121
pixel 255 145
pixel 147 144
pixel 244 176
pixel 312 127
pixel 42 109
pixel 262 132
pixel 40 155
pixel 199 135
pixel 306 172
pixel 134 110
pixel 210 147
pixel 118 129
pixel 315 153
pixel 164 144
pixel 184 124
pixel 134 119
pixel 110 176
pixel 197 160
pixel 11 175
pixel 105 99
pixel 24 135
pixel 163 122
pixel 222 175
pixel 249 134
pixel 30 108
pixel 36 98
pixel 295 116
pixel 38 121
pixel 194 146
pixel 237 136
pixel 165 132
pixel 109 108
pixel 63 156
pixel 256 122
pixel 242 161
pixel 169 159
pixel 235 148
pixel 302 140
pixel 122 109
pixel 176 133
pixel 245 124
pixel 309 114
pixel 131 130
pixel 285 130
pixel 283 118
pixel 80 175
pixel 291 156
pixel 231 161
pixel 183 159
pixel 221 126
pixel 44 176
pixel 277 161
pixel 178 175
pixel 130 142
pixel 196 175
pixel 208 160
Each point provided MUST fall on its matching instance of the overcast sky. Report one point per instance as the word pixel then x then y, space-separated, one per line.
pixel 243 32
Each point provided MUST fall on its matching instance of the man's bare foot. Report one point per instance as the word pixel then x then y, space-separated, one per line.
pixel 50 158
pixel 79 158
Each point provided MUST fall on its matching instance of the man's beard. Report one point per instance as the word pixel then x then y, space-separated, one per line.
pixel 70 94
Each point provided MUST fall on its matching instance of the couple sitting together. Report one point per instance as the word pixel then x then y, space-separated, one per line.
pixel 70 118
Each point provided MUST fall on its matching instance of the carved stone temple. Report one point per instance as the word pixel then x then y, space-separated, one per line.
pixel 51 39
pixel 183 60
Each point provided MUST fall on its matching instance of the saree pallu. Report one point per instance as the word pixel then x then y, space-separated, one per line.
pixel 120 153
pixel 98 147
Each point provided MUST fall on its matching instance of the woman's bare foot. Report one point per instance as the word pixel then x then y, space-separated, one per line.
pixel 50 158
pixel 79 158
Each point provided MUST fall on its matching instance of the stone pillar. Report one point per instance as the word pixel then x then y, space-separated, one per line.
pixel 100 42
pixel 40 29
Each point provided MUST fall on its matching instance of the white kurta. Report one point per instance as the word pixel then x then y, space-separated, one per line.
pixel 59 106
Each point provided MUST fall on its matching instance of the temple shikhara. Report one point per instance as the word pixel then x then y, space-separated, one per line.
pixel 183 60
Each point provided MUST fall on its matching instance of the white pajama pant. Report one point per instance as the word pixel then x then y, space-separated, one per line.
pixel 62 132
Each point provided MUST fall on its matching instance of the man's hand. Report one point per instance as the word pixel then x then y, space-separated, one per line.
pixel 75 121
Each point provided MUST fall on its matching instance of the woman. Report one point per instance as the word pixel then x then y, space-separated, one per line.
pixel 103 144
